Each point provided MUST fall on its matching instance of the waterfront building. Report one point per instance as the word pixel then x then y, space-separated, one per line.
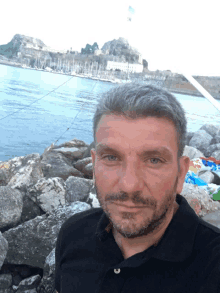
pixel 126 67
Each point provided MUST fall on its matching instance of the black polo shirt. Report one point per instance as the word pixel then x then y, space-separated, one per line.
pixel 187 259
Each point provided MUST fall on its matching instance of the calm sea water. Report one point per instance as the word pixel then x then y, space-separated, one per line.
pixel 33 128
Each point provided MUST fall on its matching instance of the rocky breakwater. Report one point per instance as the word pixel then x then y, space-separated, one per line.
pixel 38 193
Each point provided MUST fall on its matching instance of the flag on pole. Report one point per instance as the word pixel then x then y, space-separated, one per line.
pixel 130 12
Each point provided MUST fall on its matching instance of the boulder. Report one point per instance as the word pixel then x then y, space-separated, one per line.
pixel 31 242
pixel 5 281
pixel 211 148
pixel 72 153
pixel 48 194
pixel 215 140
pixel 3 249
pixel 192 152
pixel 88 151
pixel 77 189
pixel 189 135
pixel 211 129
pixel 207 176
pixel 28 284
pixel 84 166
pixel 11 204
pixel 216 154
pixel 24 172
pixel 200 140
pixel 55 164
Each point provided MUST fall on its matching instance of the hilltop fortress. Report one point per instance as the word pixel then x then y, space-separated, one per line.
pixel 116 56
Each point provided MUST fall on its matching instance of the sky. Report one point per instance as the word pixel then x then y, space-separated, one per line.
pixel 181 36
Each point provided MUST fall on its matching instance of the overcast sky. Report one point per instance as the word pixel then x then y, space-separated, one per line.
pixel 170 34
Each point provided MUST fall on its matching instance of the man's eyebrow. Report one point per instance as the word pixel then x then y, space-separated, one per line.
pixel 157 151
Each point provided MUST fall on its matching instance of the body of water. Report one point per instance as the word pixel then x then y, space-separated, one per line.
pixel 26 130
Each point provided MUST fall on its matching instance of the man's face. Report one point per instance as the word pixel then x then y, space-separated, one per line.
pixel 137 190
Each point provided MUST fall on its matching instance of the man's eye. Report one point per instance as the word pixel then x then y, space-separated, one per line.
pixel 108 156
pixel 153 160
pixel 157 159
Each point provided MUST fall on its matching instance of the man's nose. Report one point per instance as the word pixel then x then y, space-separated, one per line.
pixel 131 177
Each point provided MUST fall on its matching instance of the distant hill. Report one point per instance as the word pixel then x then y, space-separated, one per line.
pixel 121 48
pixel 18 44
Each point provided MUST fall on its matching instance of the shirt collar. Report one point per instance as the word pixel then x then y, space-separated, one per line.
pixel 177 242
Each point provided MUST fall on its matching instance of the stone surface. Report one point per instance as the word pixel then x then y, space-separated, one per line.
pixel 57 165
pixel 29 283
pixel 189 135
pixel 211 149
pixel 3 249
pixel 48 194
pixel 207 176
pixel 200 140
pixel 11 204
pixel 216 154
pixel 5 281
pixel 31 242
pixel 77 189
pixel 216 139
pixel 192 152
pixel 211 129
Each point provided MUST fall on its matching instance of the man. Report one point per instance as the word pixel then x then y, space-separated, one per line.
pixel 145 237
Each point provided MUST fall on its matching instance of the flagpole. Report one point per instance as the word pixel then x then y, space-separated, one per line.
pixel 202 90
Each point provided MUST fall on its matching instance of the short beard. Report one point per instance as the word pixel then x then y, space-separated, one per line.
pixel 149 226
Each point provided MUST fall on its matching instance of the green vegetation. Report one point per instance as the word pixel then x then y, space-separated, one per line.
pixel 89 49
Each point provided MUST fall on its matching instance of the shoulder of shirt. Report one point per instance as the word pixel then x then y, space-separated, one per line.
pixel 206 225
pixel 208 236
pixel 88 215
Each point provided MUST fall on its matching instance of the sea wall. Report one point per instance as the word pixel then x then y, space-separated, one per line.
pixel 179 84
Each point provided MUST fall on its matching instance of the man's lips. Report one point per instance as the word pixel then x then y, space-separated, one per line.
pixel 129 207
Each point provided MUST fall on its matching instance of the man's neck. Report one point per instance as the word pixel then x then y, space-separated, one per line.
pixel 136 245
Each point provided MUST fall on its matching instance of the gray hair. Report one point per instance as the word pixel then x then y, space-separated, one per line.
pixel 136 100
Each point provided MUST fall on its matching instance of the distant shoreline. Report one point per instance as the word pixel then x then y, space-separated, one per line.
pixel 175 91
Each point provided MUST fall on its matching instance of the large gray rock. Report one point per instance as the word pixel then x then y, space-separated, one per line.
pixel 48 194
pixel 211 149
pixel 82 164
pixel 200 140
pixel 77 189
pixel 211 129
pixel 192 152
pixel 3 249
pixel 28 284
pixel 216 139
pixel 189 135
pixel 5 281
pixel 31 242
pixel 72 153
pixel 88 151
pixel 216 154
pixel 11 204
pixel 206 176
pixel 25 171
pixel 55 164
pixel 48 281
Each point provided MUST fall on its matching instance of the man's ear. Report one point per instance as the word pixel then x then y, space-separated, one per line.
pixel 184 162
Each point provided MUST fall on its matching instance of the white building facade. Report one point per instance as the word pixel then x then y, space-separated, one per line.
pixel 126 67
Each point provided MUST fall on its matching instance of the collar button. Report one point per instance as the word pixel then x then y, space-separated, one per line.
pixel 117 271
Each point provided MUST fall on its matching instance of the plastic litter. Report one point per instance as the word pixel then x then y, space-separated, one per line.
pixel 204 164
